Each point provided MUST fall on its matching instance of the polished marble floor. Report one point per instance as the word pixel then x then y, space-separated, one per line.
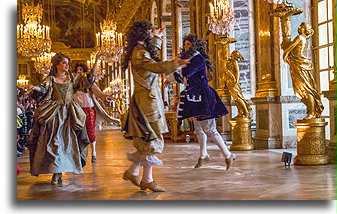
pixel 256 175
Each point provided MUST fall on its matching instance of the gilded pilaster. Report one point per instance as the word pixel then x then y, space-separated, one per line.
pixel 267 100
pixel 267 52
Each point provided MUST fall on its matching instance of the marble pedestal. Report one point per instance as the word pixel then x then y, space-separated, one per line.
pixel 241 134
pixel 311 144
pixel 268 123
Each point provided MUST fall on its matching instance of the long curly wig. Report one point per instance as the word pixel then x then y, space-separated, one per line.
pixel 55 61
pixel 139 32
pixel 199 45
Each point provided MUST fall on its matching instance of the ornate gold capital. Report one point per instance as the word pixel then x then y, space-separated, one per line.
pixel 266 89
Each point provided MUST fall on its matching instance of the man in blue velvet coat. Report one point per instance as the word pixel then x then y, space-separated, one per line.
pixel 199 100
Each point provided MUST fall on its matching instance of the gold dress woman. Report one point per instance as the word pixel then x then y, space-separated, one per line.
pixel 58 140
pixel 300 70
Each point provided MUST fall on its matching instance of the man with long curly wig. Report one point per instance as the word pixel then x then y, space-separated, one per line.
pixel 199 100
pixel 146 119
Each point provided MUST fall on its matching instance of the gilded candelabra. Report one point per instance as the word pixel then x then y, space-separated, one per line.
pixel 232 75
pixel 33 39
pixel 241 124
pixel 311 145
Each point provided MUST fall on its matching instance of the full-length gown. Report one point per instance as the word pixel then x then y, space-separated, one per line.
pixel 58 141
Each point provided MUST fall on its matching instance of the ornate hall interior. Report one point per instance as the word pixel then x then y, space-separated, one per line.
pixel 274 69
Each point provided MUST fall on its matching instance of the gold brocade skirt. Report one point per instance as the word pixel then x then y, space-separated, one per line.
pixel 58 140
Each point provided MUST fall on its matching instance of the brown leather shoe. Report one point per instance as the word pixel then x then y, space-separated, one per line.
pixel 134 179
pixel 93 159
pixel 230 161
pixel 56 179
pixel 201 161
pixel 151 186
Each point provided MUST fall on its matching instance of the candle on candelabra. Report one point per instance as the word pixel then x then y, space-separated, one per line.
pixel 18 31
pixel 43 29
pixel 47 32
pixel 21 31
pixel 97 39
pixel 120 39
pixel 117 39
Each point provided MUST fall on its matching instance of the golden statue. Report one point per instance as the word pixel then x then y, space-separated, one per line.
pixel 300 70
pixel 231 80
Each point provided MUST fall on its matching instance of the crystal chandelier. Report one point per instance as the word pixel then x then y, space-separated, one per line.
pixel 221 17
pixel 42 64
pixel 109 41
pixel 32 38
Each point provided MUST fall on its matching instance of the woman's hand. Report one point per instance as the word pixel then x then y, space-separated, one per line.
pixel 158 32
pixel 110 98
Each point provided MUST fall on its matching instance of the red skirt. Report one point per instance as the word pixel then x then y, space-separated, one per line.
pixel 90 123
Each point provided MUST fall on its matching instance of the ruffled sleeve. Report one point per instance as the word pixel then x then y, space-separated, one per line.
pixel 44 92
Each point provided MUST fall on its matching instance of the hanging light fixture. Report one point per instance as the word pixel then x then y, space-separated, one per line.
pixel 109 42
pixel 33 39
pixel 42 64
pixel 221 17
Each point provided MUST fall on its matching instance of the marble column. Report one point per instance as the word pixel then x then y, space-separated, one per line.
pixel 267 100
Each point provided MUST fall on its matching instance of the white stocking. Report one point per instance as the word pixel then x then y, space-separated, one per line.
pixel 202 138
pixel 93 148
pixel 217 139
pixel 147 174
pixel 134 169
